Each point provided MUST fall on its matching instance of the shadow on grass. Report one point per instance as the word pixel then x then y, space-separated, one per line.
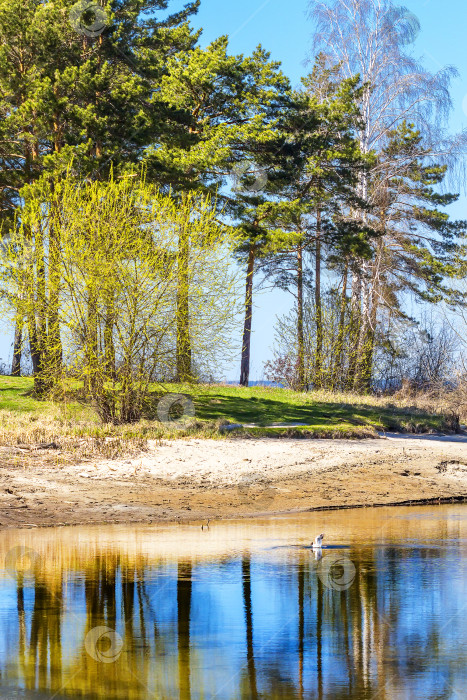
pixel 249 406
pixel 263 411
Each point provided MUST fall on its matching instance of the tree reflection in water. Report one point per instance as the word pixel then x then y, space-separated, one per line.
pixel 183 629
pixel 241 627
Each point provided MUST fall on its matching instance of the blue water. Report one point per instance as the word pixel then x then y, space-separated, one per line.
pixel 245 610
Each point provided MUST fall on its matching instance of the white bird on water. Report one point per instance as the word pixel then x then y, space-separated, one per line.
pixel 317 543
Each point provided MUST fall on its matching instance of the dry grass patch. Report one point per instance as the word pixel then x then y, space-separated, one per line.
pixel 85 440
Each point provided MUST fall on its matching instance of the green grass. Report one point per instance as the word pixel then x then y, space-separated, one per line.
pixel 317 411
pixel 322 414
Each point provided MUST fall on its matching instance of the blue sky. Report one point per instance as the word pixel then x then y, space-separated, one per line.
pixel 282 28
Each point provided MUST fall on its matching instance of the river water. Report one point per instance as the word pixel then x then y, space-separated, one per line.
pixel 241 609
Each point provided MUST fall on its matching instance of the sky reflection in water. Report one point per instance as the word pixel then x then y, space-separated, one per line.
pixel 242 610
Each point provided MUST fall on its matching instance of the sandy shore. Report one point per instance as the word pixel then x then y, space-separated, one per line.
pixel 200 479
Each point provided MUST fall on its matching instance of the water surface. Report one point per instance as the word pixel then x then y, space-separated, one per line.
pixel 244 609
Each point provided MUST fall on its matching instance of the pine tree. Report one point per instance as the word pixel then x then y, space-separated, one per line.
pixel 418 249
pixel 320 196
pixel 91 100
pixel 371 38
pixel 232 107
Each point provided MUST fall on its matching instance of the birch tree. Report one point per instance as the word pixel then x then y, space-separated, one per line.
pixel 372 38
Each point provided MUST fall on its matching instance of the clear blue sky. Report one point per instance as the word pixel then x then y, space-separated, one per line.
pixel 282 28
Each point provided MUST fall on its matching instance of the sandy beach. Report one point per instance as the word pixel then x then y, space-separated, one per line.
pixel 193 480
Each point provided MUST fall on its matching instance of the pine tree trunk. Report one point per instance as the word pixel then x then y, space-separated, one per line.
pixel 92 343
pixel 109 347
pixel 368 345
pixel 54 341
pixel 300 339
pixel 338 370
pixel 360 369
pixel 38 328
pixel 183 360
pixel 245 364
pixel 36 357
pixel 318 378
pixel 354 327
pixel 368 355
pixel 94 374
pixel 17 349
pixel 41 292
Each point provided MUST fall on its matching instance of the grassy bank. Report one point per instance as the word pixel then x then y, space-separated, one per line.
pixel 72 426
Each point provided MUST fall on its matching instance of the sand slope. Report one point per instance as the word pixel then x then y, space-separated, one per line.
pixel 198 479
